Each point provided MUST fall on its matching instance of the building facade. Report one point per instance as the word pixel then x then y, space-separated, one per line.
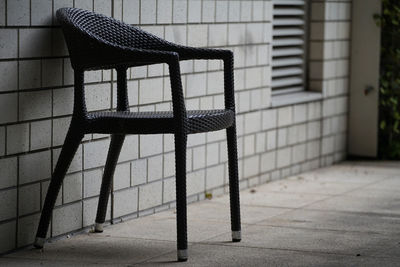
pixel 278 134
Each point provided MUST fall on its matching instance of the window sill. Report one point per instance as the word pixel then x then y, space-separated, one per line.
pixel 294 98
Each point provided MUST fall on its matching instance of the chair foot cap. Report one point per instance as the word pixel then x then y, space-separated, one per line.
pixel 39 242
pixel 182 255
pixel 98 227
pixel 236 236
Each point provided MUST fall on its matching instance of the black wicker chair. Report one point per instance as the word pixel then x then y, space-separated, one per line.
pixel 98 42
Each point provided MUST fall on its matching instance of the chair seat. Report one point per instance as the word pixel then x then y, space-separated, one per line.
pixel 124 122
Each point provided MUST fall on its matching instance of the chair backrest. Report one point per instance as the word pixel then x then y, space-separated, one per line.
pixel 86 33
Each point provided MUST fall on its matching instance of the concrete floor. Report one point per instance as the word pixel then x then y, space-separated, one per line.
pixel 344 215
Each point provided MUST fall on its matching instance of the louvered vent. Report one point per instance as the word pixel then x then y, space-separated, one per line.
pixel 288 45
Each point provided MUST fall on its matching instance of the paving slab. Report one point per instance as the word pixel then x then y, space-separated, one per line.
pixel 368 223
pixel 213 211
pixel 302 186
pixel 92 249
pixel 267 198
pixel 311 240
pixel 375 194
pixel 390 184
pixel 164 229
pixel 392 252
pixel 347 175
pixel 20 262
pixel 350 203
pixel 383 167
pixel 220 255
pixel 343 215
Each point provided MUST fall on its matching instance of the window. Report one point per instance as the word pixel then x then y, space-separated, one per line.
pixel 289 46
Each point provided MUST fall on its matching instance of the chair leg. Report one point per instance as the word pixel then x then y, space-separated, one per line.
pixel 181 216
pixel 68 151
pixel 233 183
pixel 117 141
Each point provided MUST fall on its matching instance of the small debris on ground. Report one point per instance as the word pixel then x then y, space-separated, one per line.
pixel 253 191
pixel 358 255
pixel 208 195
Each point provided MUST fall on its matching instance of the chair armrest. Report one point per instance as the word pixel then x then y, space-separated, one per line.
pixel 187 53
pixel 115 56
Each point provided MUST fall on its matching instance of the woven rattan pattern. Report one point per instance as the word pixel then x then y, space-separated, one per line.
pixel 98 42
pixel 158 122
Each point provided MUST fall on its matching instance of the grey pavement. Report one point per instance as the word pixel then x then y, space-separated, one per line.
pixel 344 215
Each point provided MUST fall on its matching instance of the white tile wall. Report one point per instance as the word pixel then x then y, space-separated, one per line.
pixel 221 13
pixel 7 232
pixel 208 14
pixel 34 42
pixel 122 176
pixel 252 122
pixel 283 157
pixel 214 176
pixel 258 10
pixel 155 168
pixel 164 11
pixel 234 11
pixel 197 35
pixel 148 12
pixel 8 175
pixel 194 11
pixel 251 166
pixel 8 199
pixel 67 218
pixel 34 167
pixel 86 4
pixel 92 182
pixel 29 74
pixel 139 172
pixel 8 43
pixel 196 85
pixel 95 153
pixel 150 91
pixel 150 145
pixel 130 149
pixel 8 75
pixel 180 11
pixel 36 86
pixel 195 182
pixel 130 12
pixel 26 229
pixel 285 116
pixel 52 72
pixel 28 199
pixel 18 13
pixel 121 204
pixel 150 195
pixel 2 12
pixel 72 187
pixel 35 105
pixel 90 209
pixel 18 138
pixel 245 10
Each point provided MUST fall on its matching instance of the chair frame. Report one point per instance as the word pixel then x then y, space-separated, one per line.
pixel 84 48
